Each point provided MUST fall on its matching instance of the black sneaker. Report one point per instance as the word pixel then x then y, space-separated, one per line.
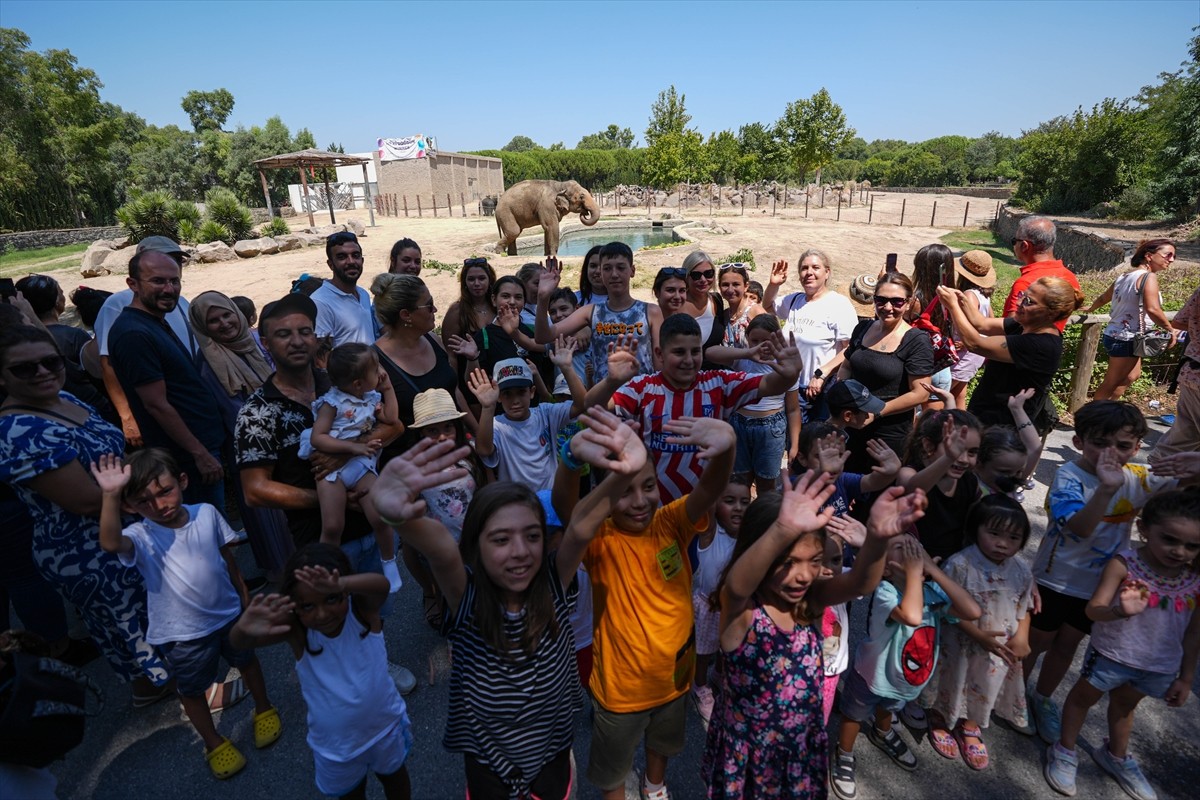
pixel 841 776
pixel 890 742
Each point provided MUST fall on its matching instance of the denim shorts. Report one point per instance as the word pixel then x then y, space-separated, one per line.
pixel 760 444
pixel 1117 348
pixel 859 703
pixel 941 379
pixel 194 663
pixel 1105 675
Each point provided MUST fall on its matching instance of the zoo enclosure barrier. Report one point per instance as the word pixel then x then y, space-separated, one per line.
pixel 391 204
pixel 1092 325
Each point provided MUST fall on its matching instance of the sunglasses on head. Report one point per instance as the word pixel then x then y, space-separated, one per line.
pixel 706 275
pixel 738 265
pixel 28 369
pixel 894 302
pixel 39 280
pixel 475 262
pixel 673 272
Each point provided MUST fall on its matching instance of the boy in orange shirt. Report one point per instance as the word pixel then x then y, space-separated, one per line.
pixel 644 649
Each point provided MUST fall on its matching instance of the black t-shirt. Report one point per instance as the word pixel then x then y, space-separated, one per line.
pixel 941 529
pixel 70 341
pixel 1035 360
pixel 407 386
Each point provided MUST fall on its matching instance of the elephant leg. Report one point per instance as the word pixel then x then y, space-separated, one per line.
pixel 512 247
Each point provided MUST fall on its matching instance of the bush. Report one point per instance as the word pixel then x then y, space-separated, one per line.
pixel 744 256
pixel 187 231
pixel 276 227
pixel 156 214
pixel 223 207
pixel 213 231
pixel 1136 202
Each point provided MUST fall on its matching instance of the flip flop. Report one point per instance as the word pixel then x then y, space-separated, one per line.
pixel 434 611
pixel 975 755
pixel 225 761
pixel 943 742
pixel 267 728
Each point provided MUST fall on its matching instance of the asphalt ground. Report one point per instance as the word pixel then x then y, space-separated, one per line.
pixel 154 753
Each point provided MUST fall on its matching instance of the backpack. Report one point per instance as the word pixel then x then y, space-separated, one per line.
pixel 945 353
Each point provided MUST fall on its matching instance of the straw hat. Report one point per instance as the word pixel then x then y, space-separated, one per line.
pixel 976 266
pixel 862 294
pixel 433 406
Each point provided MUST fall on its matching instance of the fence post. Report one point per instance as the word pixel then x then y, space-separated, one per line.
pixel 405 205
pixel 743 202
pixel 433 202
pixel 785 194
pixel 419 212
pixel 871 210
pixel 1085 359
pixel 934 214
pixel 996 216
pixel 839 214
pixel 463 202
pixel 774 202
pixel 806 202
pixel 965 212
pixel 648 199
pixel 903 203
pixel 450 206
pixel 850 199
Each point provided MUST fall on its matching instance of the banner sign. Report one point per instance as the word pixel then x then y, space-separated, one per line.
pixel 407 147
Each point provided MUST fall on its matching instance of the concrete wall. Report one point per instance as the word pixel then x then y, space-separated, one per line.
pixel 1081 250
pixel 990 192
pixel 31 240
pixel 461 176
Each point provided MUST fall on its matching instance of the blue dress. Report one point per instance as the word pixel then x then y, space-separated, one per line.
pixel 66 547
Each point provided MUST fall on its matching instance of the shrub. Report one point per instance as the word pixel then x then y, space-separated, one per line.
pixel 187 231
pixel 1136 202
pixel 222 206
pixel 156 214
pixel 276 227
pixel 213 231
pixel 744 256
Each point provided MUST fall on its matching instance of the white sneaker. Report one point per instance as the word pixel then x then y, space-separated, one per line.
pixel 392 573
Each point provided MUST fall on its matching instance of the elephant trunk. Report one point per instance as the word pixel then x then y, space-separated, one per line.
pixel 591 212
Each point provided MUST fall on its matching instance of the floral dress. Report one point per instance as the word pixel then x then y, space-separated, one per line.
pixel 66 547
pixel 970 682
pixel 767 737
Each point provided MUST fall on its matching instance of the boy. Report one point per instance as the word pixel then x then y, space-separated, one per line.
pixel 194 590
pixel 1091 506
pixel 754 293
pixel 562 303
pixel 897 658
pixel 643 648
pixel 682 388
pixel 851 405
pixel 620 316
pixel 823 449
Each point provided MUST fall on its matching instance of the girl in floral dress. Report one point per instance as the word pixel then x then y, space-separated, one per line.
pixel 980 670
pixel 767 736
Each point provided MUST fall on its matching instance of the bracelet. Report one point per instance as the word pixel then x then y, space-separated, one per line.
pixel 567 459
pixel 1023 425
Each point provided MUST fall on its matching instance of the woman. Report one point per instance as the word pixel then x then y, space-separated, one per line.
pixel 933 266
pixel 892 360
pixel 820 319
pixel 1136 306
pixel 977 282
pixel 733 281
pixel 670 290
pixel 591 282
pixel 48 439
pixel 1022 352
pixel 702 302
pixel 1184 435
pixel 471 312
pixel 405 258
pixel 234 368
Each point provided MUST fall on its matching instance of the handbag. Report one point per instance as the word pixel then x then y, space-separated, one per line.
pixel 1148 344
pixel 945 352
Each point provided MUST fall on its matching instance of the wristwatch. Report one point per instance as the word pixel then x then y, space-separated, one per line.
pixel 817 373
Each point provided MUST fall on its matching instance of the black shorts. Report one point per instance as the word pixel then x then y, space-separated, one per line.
pixel 552 783
pixel 1060 609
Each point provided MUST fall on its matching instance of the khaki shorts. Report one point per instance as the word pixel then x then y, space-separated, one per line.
pixel 615 737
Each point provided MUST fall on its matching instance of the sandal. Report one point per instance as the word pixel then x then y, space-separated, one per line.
pixel 225 761
pixel 976 755
pixel 943 741
pixel 221 696
pixel 267 728
pixel 434 610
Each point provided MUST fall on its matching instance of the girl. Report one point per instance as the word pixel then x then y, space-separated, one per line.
pixel 835 622
pixel 767 738
pixel 361 394
pixel 357 721
pixel 712 551
pixel 981 660
pixel 1006 454
pixel 1145 625
pixel 941 453
pixel 473 309
pixel 933 266
pixel 505 336
pixel 514 684
pixel 591 283
pixel 977 282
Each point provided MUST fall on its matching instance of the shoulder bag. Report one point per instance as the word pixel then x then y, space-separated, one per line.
pixel 1148 344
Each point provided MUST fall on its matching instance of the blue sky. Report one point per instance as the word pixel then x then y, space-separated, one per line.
pixel 476 74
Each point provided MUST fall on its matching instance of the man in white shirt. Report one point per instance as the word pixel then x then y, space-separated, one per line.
pixel 344 310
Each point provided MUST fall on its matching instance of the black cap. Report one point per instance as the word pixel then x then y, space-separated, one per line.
pixel 289 304
pixel 852 395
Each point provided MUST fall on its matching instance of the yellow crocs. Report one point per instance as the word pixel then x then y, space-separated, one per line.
pixel 267 728
pixel 226 761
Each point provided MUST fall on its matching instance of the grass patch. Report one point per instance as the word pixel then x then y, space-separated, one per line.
pixel 17 263
pixel 1008 269
pixel 665 245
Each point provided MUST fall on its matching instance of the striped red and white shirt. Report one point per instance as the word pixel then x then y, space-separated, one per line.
pixel 650 401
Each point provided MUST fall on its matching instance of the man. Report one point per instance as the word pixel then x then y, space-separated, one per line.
pixel 344 309
pixel 267 439
pixel 169 400
pixel 177 319
pixel 1034 247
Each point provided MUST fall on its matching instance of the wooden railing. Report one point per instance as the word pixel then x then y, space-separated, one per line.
pixel 1085 357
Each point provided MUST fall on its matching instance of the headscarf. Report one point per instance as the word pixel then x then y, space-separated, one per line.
pixel 239 366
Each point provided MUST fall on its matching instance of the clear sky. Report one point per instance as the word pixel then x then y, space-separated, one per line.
pixel 476 74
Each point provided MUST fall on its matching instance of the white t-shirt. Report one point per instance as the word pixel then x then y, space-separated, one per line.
pixel 818 326
pixel 771 402
pixel 525 450
pixel 188 590
pixel 115 304
pixel 713 560
pixel 344 316
pixel 1126 302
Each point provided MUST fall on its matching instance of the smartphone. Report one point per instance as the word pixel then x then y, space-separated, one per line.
pixel 8 289
pixel 891 263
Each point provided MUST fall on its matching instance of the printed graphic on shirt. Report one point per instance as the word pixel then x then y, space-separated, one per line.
pixel 670 561
pixel 918 655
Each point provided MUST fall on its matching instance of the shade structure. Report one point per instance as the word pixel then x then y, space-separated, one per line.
pixel 312 157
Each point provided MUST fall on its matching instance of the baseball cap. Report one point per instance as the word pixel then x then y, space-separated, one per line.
pixel 161 244
pixel 852 395
pixel 512 373
pixel 289 304
pixel 552 518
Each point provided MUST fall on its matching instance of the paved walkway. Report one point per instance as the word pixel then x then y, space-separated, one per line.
pixel 152 753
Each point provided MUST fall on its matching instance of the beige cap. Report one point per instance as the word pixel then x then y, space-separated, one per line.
pixel 976 267
pixel 862 294
pixel 433 406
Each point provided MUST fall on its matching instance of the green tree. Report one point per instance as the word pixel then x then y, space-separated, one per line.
pixel 557 146
pixel 762 157
pixel 812 131
pixel 914 167
pixel 875 170
pixel 207 110
pixel 667 115
pixel 612 138
pixel 519 144
pixel 723 154
pixel 167 159
pixel 951 153
pixel 1178 157
pixel 674 153
pixel 247 146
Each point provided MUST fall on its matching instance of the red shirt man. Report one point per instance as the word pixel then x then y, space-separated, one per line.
pixel 1034 246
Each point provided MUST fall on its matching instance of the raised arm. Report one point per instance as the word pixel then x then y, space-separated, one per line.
pixel 563 357
pixel 1112 477
pixel 488 394
pixel 785 363
pixel 623 365
pixel 112 479
pixel 545 331
pixel 779 271
pixel 1100 302
pixel 954 445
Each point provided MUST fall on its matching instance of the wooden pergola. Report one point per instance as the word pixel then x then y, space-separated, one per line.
pixel 314 158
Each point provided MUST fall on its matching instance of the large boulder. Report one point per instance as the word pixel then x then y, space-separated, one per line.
pixel 118 260
pixel 325 230
pixel 356 227
pixel 290 241
pixel 212 252
pixel 248 248
pixel 93 258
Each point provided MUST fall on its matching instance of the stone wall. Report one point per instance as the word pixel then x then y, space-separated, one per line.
pixel 31 240
pixel 463 177
pixel 990 192
pixel 1081 250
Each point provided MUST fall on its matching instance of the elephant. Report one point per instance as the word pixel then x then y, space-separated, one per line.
pixel 544 203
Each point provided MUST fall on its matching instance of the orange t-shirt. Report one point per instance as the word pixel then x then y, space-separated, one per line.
pixel 1029 274
pixel 643 652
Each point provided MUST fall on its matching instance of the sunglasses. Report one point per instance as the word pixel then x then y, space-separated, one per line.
pixel 674 272
pixel 342 237
pixel 28 369
pixel 475 262
pixel 1026 301
pixel 894 302
pixel 738 265
pixel 706 275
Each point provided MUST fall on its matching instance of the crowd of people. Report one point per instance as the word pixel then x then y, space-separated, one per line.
pixel 644 504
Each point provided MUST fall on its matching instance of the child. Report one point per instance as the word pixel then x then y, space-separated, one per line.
pixel 712 550
pixel 980 671
pixel 361 395
pixel 897 658
pixel 1008 454
pixel 823 449
pixel 514 686
pixel 519 444
pixel 1145 640
pixel 851 405
pixel 357 721
pixel 835 621
pixel 770 426
pixel 754 292
pixel 682 389
pixel 643 650
pixel 506 336
pixel 1091 506
pixel 194 589
pixel 562 303
pixel 768 737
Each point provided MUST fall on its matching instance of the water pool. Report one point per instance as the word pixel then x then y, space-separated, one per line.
pixel 577 243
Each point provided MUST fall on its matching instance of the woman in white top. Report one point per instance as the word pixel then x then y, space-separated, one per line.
pixel 820 319
pixel 702 302
pixel 1128 293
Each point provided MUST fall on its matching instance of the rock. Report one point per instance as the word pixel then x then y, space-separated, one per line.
pixel 670 201
pixel 356 227
pixel 325 230
pixel 213 252
pixel 312 239
pixel 291 241
pixel 249 248
pixel 118 260
pixel 93 257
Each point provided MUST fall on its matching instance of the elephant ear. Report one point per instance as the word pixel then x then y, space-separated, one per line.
pixel 562 203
